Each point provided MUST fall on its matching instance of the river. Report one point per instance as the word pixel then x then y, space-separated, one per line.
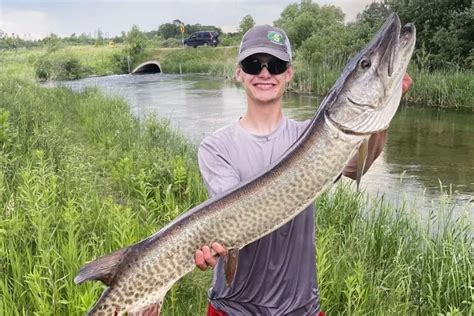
pixel 428 151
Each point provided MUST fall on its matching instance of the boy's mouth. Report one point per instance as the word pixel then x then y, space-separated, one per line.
pixel 264 86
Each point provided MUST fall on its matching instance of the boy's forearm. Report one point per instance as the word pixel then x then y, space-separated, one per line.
pixel 376 143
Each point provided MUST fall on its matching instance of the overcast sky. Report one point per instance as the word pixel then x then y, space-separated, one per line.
pixel 34 19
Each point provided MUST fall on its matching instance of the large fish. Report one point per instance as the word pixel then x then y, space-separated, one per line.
pixel 363 101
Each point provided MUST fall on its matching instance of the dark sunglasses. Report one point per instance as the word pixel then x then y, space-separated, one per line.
pixel 253 66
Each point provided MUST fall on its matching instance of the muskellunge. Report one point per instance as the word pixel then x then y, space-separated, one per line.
pixel 362 101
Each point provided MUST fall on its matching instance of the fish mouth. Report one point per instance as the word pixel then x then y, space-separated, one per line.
pixel 389 43
pixel 398 47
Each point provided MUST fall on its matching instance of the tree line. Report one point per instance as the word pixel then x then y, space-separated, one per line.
pixel 445 32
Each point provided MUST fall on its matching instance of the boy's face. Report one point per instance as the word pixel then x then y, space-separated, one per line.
pixel 264 87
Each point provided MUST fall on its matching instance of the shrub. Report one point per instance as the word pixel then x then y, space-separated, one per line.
pixel 54 67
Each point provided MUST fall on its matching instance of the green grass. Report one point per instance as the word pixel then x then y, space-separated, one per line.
pixel 96 60
pixel 19 62
pixel 218 61
pixel 379 260
pixel 80 177
pixel 445 89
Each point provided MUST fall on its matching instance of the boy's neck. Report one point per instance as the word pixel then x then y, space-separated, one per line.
pixel 262 119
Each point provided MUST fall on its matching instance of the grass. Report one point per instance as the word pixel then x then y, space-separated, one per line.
pixel 97 60
pixel 219 61
pixel 80 177
pixel 445 89
pixel 382 261
pixel 441 88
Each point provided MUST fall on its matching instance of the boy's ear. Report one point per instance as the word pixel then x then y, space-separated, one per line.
pixel 289 73
pixel 238 74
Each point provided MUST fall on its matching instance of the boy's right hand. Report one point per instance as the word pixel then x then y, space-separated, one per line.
pixel 204 258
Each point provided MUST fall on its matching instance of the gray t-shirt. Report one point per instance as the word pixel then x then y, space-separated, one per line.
pixel 276 275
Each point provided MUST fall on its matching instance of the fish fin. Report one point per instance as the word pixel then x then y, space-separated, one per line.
pixel 230 265
pixel 102 269
pixel 361 160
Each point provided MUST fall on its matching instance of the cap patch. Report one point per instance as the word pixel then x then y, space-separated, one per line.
pixel 276 38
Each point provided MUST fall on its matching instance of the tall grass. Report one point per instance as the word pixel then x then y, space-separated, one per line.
pixel 377 260
pixel 443 88
pixel 79 177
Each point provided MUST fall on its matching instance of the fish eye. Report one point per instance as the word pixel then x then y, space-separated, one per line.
pixel 365 63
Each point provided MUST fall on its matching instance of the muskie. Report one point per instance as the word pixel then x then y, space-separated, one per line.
pixel 362 101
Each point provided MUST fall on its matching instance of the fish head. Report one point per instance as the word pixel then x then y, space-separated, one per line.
pixel 367 95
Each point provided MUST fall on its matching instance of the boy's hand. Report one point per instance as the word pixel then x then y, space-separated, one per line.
pixel 406 83
pixel 204 257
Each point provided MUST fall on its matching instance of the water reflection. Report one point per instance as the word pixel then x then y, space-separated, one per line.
pixel 424 145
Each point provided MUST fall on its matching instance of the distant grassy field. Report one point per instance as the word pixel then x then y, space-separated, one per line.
pixel 80 177
pixel 97 60
pixel 446 89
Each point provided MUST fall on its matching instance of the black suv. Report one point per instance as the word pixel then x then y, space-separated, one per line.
pixel 202 38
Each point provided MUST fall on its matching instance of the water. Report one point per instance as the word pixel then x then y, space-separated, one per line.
pixel 428 151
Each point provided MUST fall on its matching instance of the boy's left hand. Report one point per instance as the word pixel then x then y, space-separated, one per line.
pixel 406 83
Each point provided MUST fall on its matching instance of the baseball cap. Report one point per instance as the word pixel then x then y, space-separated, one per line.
pixel 265 39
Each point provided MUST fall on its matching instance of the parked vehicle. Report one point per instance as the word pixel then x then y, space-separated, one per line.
pixel 202 38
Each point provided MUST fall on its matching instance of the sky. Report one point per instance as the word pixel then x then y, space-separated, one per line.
pixel 34 19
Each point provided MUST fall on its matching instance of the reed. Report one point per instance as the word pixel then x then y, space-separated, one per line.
pixel 80 177
pixel 443 88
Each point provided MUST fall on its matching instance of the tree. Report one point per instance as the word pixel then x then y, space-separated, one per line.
pixel 444 29
pixel 302 20
pixel 168 30
pixel 374 14
pixel 135 41
pixel 246 24
pixel 52 42
pixel 99 39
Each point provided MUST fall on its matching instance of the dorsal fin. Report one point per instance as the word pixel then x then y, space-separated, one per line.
pixel 102 269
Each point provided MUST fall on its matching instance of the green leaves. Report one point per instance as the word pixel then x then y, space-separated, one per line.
pixel 246 24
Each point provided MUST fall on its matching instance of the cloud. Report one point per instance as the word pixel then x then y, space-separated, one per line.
pixel 33 19
pixel 349 7
pixel 28 24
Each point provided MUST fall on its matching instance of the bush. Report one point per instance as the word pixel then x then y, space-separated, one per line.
pixel 50 67
pixel 169 43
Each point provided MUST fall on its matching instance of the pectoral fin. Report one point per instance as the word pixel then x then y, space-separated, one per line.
pixel 230 265
pixel 102 269
pixel 361 160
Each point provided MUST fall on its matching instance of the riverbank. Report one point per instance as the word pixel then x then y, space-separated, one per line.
pixel 449 89
pixel 81 177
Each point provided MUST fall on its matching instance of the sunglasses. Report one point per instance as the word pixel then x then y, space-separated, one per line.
pixel 253 66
